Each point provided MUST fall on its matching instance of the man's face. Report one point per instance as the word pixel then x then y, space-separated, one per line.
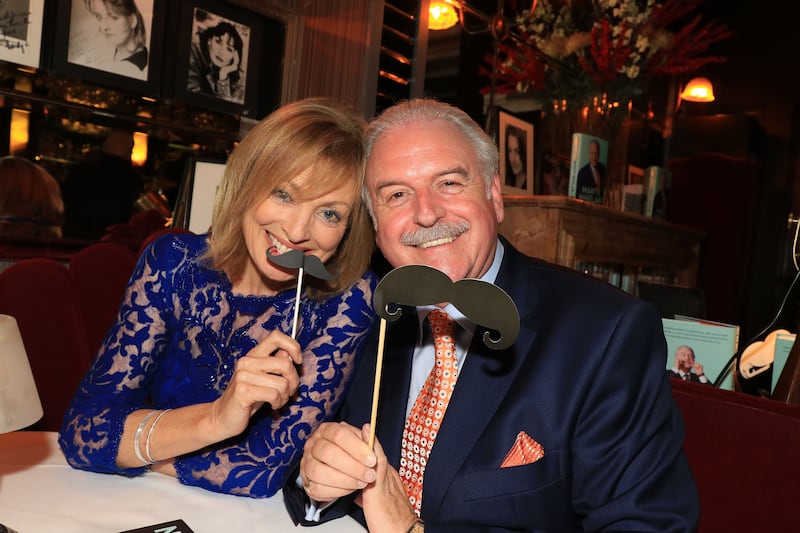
pixel 430 200
pixel 594 153
pixel 684 359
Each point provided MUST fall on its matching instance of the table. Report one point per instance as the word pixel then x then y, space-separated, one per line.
pixel 40 492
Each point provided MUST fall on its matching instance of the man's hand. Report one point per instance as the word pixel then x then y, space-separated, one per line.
pixel 385 501
pixel 336 461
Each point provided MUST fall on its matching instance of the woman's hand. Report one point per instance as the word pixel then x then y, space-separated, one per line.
pixel 267 374
pixel 231 67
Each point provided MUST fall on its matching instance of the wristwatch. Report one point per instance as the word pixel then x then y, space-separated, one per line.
pixel 417 527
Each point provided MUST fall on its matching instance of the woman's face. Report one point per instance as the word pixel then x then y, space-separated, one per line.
pixel 221 50
pixel 284 222
pixel 514 156
pixel 116 28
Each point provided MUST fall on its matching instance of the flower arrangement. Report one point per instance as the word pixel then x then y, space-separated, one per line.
pixel 603 52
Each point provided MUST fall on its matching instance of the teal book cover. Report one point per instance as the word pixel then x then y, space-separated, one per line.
pixel 712 344
pixel 588 160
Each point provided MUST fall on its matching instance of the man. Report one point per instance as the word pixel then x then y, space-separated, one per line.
pixel 685 362
pixel 592 175
pixel 591 404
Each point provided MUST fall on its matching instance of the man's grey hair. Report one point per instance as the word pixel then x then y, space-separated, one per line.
pixel 430 110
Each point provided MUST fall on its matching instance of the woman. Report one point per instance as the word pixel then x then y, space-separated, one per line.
pixel 30 200
pixel 198 375
pixel 516 157
pixel 215 65
pixel 121 24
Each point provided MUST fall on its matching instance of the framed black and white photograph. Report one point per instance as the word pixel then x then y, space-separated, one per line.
pixel 516 154
pixel 113 42
pixel 198 188
pixel 219 57
pixel 21 31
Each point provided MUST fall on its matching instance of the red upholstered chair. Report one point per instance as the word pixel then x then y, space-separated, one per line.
pixel 137 229
pixel 744 452
pixel 100 273
pixel 39 294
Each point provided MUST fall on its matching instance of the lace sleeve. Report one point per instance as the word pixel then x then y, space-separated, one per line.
pixel 257 464
pixel 117 382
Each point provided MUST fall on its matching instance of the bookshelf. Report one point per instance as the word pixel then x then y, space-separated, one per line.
pixel 619 247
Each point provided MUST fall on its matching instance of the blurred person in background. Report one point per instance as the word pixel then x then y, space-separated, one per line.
pixel 30 200
pixel 101 190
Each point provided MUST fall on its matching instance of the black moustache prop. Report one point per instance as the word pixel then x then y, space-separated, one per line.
pixel 297 259
pixel 483 303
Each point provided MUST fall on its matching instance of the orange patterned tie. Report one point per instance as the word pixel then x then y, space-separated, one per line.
pixel 428 410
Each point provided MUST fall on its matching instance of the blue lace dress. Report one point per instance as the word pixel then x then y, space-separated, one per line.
pixel 175 341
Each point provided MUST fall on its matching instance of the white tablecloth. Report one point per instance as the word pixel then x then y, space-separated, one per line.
pixel 41 493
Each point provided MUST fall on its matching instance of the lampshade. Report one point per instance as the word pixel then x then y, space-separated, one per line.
pixel 442 15
pixel 19 400
pixel 698 90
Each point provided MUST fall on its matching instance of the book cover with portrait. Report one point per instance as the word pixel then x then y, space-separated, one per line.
pixel 712 343
pixel 587 171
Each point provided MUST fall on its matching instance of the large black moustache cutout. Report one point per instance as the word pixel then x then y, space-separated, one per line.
pixel 297 259
pixel 483 303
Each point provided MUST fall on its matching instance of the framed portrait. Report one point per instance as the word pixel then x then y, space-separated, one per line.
pixel 635 175
pixel 120 44
pixel 516 154
pixel 220 54
pixel 554 175
pixel 198 188
pixel 21 31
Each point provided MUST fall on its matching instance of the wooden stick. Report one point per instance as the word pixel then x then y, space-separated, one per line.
pixel 297 302
pixel 377 386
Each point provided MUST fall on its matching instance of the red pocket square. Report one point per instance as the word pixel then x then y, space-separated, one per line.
pixel 524 451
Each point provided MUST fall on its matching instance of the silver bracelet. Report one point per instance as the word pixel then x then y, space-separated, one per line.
pixel 150 434
pixel 138 436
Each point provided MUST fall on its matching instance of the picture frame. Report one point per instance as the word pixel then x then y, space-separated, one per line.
pixel 238 36
pixel 196 193
pixel 109 49
pixel 21 23
pixel 515 136
pixel 554 175
pixel 635 175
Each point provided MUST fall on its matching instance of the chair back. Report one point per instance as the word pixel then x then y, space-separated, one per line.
pixel 39 293
pixel 743 452
pixel 100 273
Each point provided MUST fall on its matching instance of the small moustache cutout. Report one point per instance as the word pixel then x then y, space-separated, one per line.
pixel 483 303
pixel 297 259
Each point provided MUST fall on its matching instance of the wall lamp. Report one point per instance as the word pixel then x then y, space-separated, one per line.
pixel 698 90
pixel 442 15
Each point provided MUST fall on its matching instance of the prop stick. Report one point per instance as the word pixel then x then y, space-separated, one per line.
pixel 483 303
pixel 297 259
pixel 376 388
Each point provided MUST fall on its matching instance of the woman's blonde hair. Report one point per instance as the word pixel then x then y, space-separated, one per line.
pixel 30 200
pixel 317 134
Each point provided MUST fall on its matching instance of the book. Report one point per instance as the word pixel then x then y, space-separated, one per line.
pixel 587 168
pixel 783 346
pixel 655 183
pixel 633 198
pixel 713 344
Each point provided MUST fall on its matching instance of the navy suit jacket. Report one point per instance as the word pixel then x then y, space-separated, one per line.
pixel 585 378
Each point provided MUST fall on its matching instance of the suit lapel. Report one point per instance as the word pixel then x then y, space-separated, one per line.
pixel 395 379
